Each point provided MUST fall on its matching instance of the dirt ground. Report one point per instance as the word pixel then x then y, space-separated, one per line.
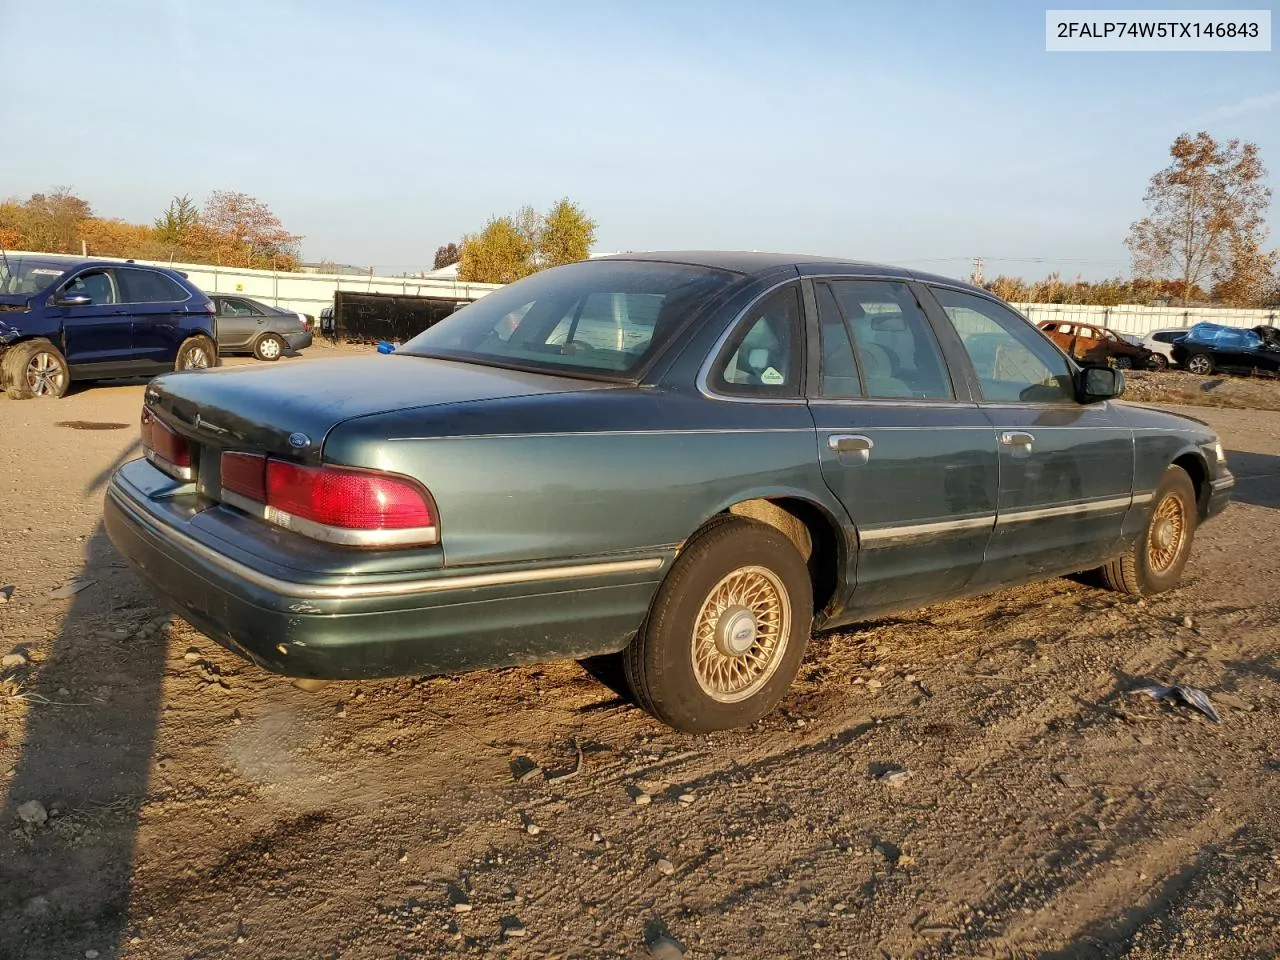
pixel 1178 386
pixel 198 807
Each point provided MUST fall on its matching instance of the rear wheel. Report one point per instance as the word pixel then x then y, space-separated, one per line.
pixel 35 368
pixel 1155 562
pixel 1200 363
pixel 196 353
pixel 268 347
pixel 727 629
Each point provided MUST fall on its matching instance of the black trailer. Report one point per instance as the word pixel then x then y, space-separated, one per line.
pixel 395 317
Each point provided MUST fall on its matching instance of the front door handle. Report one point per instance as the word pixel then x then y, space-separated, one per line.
pixel 1016 438
pixel 849 443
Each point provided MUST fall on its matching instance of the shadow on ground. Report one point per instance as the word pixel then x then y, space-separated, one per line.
pixel 86 755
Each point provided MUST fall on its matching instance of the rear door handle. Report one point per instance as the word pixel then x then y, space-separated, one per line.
pixel 1016 438
pixel 849 443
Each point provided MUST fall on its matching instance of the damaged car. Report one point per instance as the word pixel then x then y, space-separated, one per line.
pixel 65 319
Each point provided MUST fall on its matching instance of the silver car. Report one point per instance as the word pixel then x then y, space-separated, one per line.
pixel 250 326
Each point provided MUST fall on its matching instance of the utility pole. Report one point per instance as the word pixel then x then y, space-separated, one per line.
pixel 977 272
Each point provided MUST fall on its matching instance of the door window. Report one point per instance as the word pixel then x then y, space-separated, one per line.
pixel 896 352
pixel 1012 361
pixel 233 307
pixel 94 284
pixel 840 377
pixel 147 286
pixel 762 358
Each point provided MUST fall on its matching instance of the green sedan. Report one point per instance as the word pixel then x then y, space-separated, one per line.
pixel 688 460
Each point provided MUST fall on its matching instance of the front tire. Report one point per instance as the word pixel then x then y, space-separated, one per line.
pixel 196 353
pixel 1155 563
pixel 727 630
pixel 1200 363
pixel 1123 363
pixel 1158 361
pixel 268 347
pixel 35 368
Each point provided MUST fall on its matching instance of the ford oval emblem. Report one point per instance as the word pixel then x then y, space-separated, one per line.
pixel 299 440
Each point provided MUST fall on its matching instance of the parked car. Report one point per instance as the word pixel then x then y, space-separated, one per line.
pixel 251 326
pixel 65 319
pixel 688 460
pixel 1209 347
pixel 1160 343
pixel 1097 344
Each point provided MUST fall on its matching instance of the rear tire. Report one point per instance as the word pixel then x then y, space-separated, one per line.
pixel 269 347
pixel 1200 363
pixel 727 630
pixel 35 368
pixel 196 353
pixel 1154 564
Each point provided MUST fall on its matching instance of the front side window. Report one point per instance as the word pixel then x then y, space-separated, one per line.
pixel 896 351
pixel 94 284
pixel 762 358
pixel 602 317
pixel 1013 362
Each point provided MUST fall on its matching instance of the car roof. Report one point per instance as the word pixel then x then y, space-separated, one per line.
pixel 753 262
pixel 71 261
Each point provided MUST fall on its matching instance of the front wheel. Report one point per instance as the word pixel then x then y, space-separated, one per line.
pixel 1158 361
pixel 727 630
pixel 1123 363
pixel 269 347
pixel 1154 564
pixel 1200 363
pixel 196 353
pixel 35 368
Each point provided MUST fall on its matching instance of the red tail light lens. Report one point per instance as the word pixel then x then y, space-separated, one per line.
pixel 245 474
pixel 167 450
pixel 354 507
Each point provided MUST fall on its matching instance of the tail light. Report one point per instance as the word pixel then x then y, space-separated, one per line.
pixel 362 508
pixel 166 450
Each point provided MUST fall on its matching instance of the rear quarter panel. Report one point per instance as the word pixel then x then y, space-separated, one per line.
pixel 588 474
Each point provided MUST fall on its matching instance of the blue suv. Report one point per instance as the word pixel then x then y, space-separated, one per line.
pixel 65 319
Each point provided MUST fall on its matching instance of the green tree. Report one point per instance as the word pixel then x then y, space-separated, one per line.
pixel 1212 199
pixel 173 228
pixel 566 234
pixel 500 253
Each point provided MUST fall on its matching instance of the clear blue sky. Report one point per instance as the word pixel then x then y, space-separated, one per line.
pixel 906 132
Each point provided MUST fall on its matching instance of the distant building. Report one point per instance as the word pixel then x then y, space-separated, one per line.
pixel 342 269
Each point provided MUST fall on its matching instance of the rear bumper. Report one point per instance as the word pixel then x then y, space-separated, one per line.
pixel 348 627
pixel 298 341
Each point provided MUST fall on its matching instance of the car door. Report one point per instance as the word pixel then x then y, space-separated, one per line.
pixel 238 322
pixel 1066 468
pixel 97 336
pixel 911 458
pixel 156 304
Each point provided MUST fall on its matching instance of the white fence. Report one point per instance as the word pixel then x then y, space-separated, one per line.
pixel 1129 318
pixel 311 292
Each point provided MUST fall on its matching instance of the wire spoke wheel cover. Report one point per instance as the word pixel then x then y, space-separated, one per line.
pixel 44 374
pixel 740 634
pixel 1167 533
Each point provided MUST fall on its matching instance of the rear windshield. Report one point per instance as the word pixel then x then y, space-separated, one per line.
pixel 25 275
pixel 602 318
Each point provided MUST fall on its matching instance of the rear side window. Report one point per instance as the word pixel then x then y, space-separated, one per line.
pixel 896 352
pixel 233 307
pixel 762 358
pixel 147 286
pixel 840 378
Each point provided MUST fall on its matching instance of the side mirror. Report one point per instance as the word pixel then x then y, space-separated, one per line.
pixel 1100 383
pixel 72 300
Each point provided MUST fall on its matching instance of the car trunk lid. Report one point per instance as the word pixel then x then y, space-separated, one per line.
pixel 289 409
